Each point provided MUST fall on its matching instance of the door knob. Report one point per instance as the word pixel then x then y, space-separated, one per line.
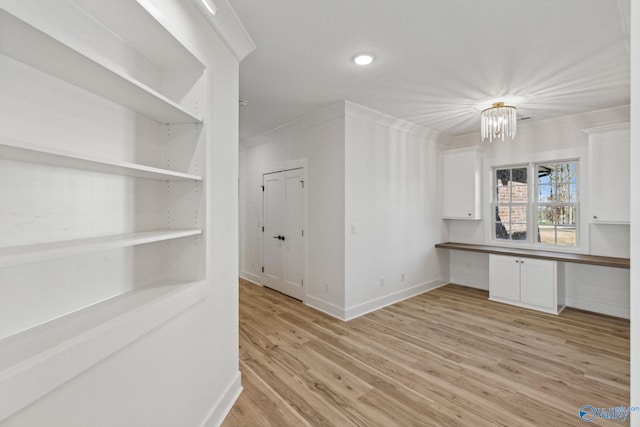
pixel 279 237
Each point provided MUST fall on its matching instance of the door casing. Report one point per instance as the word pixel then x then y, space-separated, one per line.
pixel 281 167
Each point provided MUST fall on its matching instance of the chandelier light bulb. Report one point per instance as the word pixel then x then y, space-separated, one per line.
pixel 497 121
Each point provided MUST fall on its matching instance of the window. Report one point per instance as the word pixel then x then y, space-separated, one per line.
pixel 512 194
pixel 543 210
pixel 557 203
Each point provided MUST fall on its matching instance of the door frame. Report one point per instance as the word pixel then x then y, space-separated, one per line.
pixel 275 167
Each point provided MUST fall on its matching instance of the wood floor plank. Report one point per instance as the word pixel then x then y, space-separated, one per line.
pixel 448 357
pixel 261 405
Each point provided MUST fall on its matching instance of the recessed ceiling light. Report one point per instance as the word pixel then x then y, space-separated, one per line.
pixel 364 59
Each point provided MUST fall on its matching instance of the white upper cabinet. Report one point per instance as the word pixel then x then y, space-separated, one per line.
pixel 461 183
pixel 609 182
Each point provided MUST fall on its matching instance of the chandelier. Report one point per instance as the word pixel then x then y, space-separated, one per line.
pixel 497 121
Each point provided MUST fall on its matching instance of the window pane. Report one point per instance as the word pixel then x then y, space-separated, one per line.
pixel 574 171
pixel 546 215
pixel 519 193
pixel 566 236
pixel 566 215
pixel 519 214
pixel 557 173
pixel 543 174
pixel 501 231
pixel 519 231
pixel 544 193
pixel 574 192
pixel 503 176
pixel 547 234
pixel 502 214
pixel 511 203
pixel 562 193
pixel 503 194
pixel 519 175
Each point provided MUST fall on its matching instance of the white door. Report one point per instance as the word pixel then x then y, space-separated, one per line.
pixel 504 278
pixel 283 232
pixel 538 283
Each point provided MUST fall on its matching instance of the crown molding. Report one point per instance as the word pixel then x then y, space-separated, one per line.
pixel 343 109
pixel 376 117
pixel 607 128
pixel 323 115
pixel 229 27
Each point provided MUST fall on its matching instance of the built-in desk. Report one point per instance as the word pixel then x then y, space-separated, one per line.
pixel 533 253
pixel 531 278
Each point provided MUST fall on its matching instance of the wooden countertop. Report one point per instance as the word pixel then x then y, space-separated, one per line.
pixel 533 253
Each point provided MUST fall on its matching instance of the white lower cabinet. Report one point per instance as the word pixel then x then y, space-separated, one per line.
pixel 527 282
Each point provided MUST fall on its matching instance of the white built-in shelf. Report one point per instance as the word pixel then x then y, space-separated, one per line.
pixel 31 46
pixel 15 255
pixel 27 152
pixel 40 359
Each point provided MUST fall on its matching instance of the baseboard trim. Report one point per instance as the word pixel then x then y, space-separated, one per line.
pixel 325 307
pixel 470 282
pixel 598 307
pixel 250 277
pixel 378 303
pixel 223 405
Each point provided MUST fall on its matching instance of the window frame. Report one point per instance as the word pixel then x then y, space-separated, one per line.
pixel 576 204
pixel 533 204
pixel 495 204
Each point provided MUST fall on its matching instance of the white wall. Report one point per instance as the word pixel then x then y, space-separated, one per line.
pixel 185 372
pixel 366 169
pixel 392 211
pixel 635 211
pixel 551 140
pixel 319 138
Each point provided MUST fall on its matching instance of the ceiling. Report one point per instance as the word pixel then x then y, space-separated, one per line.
pixel 436 60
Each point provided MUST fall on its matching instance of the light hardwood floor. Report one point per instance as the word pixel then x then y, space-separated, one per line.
pixel 448 357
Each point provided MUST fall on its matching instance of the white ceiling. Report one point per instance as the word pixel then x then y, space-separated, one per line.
pixel 436 59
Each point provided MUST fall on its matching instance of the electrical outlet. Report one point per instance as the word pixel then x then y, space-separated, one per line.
pixel 382 282
pixel 326 288
pixel 402 277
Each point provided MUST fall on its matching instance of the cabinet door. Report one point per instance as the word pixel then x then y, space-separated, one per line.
pixel 461 184
pixel 538 283
pixel 609 181
pixel 504 278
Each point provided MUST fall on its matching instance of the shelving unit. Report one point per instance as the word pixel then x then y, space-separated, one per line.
pixel 79 284
pixel 17 255
pixel 25 152
pixel 31 46
pixel 47 355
